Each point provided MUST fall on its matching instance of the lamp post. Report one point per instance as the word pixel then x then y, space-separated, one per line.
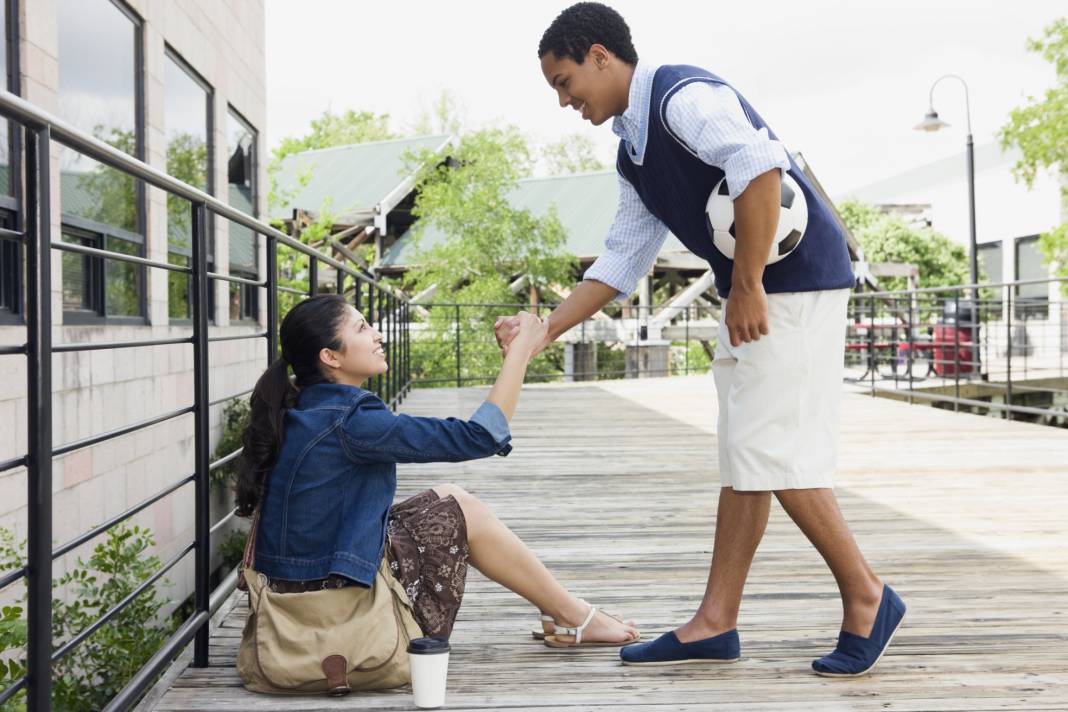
pixel 931 122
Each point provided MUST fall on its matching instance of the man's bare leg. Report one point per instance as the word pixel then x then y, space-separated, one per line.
pixel 740 523
pixel 816 513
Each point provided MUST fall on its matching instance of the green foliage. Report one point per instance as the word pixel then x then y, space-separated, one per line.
pixel 332 129
pixel 488 243
pixel 572 154
pixel 232 548
pixel 1040 130
pixel 112 193
pixel 328 131
pixel 187 160
pixel 446 116
pixel 97 669
pixel 487 239
pixel 235 420
pixel 888 238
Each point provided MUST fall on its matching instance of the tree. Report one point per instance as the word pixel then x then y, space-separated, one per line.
pixel 488 242
pixel 187 160
pixel 572 154
pixel 445 116
pixel 888 238
pixel 1040 130
pixel 332 129
pixel 328 131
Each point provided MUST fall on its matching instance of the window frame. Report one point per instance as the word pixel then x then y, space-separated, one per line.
pixel 248 295
pixel 12 204
pixel 171 54
pixel 1027 307
pixel 98 235
pixel 74 223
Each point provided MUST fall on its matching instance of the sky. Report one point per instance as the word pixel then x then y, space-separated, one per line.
pixel 841 82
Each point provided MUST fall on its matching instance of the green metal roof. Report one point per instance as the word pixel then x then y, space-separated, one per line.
pixel 585 204
pixel 355 177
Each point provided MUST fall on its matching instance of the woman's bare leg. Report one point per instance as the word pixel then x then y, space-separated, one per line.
pixel 503 557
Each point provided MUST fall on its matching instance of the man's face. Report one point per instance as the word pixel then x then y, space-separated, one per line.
pixel 586 87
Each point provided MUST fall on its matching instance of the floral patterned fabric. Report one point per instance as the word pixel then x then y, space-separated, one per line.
pixel 428 554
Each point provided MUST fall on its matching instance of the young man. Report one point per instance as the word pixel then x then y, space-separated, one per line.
pixel 779 354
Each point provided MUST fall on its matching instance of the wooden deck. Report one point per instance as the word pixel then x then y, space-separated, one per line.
pixel 615 486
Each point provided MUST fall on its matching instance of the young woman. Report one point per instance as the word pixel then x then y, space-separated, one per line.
pixel 320 466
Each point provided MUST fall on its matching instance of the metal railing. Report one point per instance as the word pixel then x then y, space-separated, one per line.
pixel 990 348
pixel 997 348
pixel 380 304
pixel 454 345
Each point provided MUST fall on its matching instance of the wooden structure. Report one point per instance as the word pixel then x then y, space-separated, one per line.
pixel 614 484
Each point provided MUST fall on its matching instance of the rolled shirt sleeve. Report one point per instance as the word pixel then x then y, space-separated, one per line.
pixel 633 242
pixel 373 433
pixel 710 121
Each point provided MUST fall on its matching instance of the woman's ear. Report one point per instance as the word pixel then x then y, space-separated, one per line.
pixel 329 358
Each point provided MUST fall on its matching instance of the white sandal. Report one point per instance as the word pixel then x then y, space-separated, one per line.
pixel 554 640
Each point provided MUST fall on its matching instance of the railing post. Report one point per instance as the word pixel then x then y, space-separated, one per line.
pixel 956 349
pixel 272 299
pixel 687 339
pixel 379 308
pixel 911 346
pixel 39 412
pixel 457 345
pixel 313 275
pixel 201 456
pixel 871 341
pixel 1008 351
pixel 393 334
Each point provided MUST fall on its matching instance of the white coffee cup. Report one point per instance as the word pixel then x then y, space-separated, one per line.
pixel 429 660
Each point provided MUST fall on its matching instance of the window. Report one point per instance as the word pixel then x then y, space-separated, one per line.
pixel 187 127
pixel 10 271
pixel 10 249
pixel 990 272
pixel 9 75
pixel 93 287
pixel 1032 300
pixel 100 93
pixel 241 168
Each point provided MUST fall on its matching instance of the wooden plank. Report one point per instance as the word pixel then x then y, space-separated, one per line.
pixel 614 485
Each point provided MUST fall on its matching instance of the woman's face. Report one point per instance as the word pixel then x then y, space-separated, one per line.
pixel 362 354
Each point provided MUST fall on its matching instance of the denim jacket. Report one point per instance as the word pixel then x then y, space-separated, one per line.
pixel 328 495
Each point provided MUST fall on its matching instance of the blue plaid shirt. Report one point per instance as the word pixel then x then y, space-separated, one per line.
pixel 710 119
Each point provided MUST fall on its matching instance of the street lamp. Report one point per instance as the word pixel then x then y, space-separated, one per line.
pixel 931 122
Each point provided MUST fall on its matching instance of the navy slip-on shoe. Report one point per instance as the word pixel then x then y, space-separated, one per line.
pixel 854 656
pixel 668 650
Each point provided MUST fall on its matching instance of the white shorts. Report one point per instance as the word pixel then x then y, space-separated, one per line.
pixel 779 397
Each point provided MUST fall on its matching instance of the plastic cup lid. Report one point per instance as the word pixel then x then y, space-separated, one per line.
pixel 428 646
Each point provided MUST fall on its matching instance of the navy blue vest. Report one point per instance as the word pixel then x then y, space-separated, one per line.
pixel 674 184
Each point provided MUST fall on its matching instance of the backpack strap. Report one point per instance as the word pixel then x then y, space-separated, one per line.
pixel 250 550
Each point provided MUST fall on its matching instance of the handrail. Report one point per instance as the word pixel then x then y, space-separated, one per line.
pixel 18 109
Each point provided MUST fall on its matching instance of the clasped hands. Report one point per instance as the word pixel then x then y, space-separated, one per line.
pixel 524 331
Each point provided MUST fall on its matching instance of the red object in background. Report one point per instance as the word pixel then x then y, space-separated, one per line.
pixel 954 351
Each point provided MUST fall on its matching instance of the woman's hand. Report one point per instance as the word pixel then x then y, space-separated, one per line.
pixel 531 334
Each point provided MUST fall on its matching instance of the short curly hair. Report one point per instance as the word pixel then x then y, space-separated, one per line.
pixel 583 25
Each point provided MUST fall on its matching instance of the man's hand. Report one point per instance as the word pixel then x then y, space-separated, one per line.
pixel 508 327
pixel 747 314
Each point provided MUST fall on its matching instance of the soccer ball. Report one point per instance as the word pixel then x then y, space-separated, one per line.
pixel 793 218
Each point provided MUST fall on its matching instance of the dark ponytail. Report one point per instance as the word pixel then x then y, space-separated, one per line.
pixel 308 328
